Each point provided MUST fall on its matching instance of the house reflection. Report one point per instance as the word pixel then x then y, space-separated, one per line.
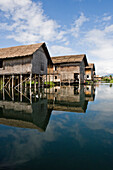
pixel 25 115
pixel 89 93
pixel 36 115
pixel 71 99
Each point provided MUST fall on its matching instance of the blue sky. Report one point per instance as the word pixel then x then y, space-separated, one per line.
pixel 67 27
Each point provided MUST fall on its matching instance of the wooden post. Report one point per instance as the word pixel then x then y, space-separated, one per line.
pixel 30 79
pixel 9 86
pixel 21 87
pixel 3 88
pixel 12 81
pixel 12 87
pixel 12 94
pixel 39 80
pixel 18 83
pixel 35 84
pixel 30 95
pixel 30 89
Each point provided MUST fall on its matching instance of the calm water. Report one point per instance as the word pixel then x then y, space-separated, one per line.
pixel 63 128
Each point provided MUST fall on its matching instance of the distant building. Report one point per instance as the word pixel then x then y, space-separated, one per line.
pixel 90 72
pixel 68 69
pixel 97 78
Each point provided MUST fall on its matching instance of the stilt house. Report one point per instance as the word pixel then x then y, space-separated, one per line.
pixel 90 72
pixel 69 69
pixel 24 60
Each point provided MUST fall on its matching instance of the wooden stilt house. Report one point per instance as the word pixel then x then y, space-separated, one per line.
pixel 69 69
pixel 25 60
pixel 90 72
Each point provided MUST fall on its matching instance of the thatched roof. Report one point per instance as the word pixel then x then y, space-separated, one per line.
pixel 69 59
pixel 91 65
pixel 23 50
pixel 19 51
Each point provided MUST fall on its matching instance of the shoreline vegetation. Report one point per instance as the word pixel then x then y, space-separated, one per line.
pixel 107 79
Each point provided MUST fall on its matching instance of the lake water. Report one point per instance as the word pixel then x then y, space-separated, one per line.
pixel 68 128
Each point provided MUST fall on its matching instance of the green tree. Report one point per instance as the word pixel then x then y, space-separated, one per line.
pixel 110 77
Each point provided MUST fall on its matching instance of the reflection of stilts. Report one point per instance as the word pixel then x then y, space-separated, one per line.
pixel 20 91
pixel 20 84
pixel 8 94
pixel 12 87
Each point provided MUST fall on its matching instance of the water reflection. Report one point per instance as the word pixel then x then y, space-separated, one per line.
pixel 24 114
pixel 71 99
pixel 71 140
pixel 36 114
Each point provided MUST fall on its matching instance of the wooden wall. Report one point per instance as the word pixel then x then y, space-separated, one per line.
pixel 36 64
pixel 65 72
pixel 39 62
pixel 90 73
pixel 20 65
pixel 82 72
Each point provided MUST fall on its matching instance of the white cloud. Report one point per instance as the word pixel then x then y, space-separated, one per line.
pixel 101 48
pixel 107 18
pixel 61 50
pixel 77 25
pixel 27 22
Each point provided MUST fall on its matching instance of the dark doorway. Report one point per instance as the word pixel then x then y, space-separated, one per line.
pixel 76 77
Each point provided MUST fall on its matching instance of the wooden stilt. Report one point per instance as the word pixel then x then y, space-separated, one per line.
pixel 9 86
pixel 12 87
pixel 30 95
pixel 39 81
pixel 30 80
pixel 12 81
pixel 18 82
pixel 35 84
pixel 30 92
pixel 21 81
pixel 12 94
pixel 21 87
pixel 3 88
